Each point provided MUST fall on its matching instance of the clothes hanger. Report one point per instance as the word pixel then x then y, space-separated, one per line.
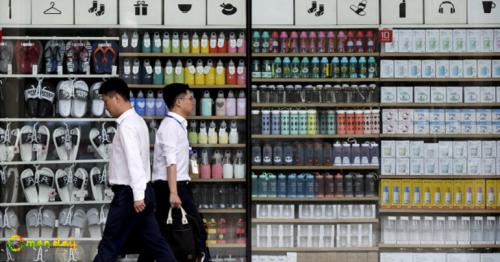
pixel 52 10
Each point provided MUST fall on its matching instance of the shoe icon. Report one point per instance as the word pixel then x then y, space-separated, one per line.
pixel 228 9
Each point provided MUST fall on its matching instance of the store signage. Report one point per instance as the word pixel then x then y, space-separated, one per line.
pixel 1 35
pixel 315 12
pixel 385 35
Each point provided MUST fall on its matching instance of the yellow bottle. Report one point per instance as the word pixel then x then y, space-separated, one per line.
pixel 199 77
pixel 210 73
pixel 220 74
pixel 189 72
pixel 204 44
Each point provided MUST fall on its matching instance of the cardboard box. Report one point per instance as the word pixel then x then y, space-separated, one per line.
pixel 406 189
pixel 459 166
pixel 437 114
pixel 445 166
pixel 183 12
pixel 474 149
pixel 417 166
pixel 484 68
pixel 421 127
pixel 390 127
pixel 350 12
pixel 487 38
pixel 479 194
pixel 431 40
pixel 405 38
pixel 427 193
pixel 472 94
pixel 470 68
pixel 445 149
pixel 264 12
pixel 438 94
pixel 483 115
pixel 402 166
pixel 495 115
pixel 414 68
pixel 385 200
pixel 16 14
pixel 388 94
pixel 395 192
pixel 484 127
pixel 402 149
pixel 488 167
pixel 496 40
pixel 405 115
pixel 416 149
pixel 388 166
pixel 428 68
pixel 453 127
pixel 460 149
pixel 488 94
pixel 417 194
pixel 52 12
pixel 469 189
pixel 418 41
pixel 473 40
pixel 456 68
pixel 405 94
pixel 431 150
pixel 422 94
pixel 453 115
pixel 490 257
pixel 431 166
pixel 447 188
pixel 464 257
pixel 446 40
pixel 405 127
pixel 454 94
pixel 489 149
pixel 394 12
pixel 401 68
pixel 107 17
pixel 393 46
pixel 304 17
pixel 436 194
pixel 387 68
pixel 495 68
pixel 469 128
pixel 443 68
pixel 388 149
pixel 484 12
pixel 474 166
pixel 459 40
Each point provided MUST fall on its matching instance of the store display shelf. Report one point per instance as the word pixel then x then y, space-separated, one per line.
pixel 440 177
pixel 315 221
pixel 315 80
pixel 312 249
pixel 439 246
pixel 437 211
pixel 83 239
pixel 457 136
pixel 55 203
pixel 222 210
pixel 55 162
pixel 316 105
pixel 218 145
pixel 315 199
pixel 224 246
pixel 200 117
pixel 133 86
pixel 298 27
pixel 134 26
pixel 224 180
pixel 313 54
pixel 181 55
pixel 57 120
pixel 314 136
pixel 305 168
pixel 90 38
pixel 441 54
pixel 446 80
pixel 54 76
pixel 433 105
pixel 439 25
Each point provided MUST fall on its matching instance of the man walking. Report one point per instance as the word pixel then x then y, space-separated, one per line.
pixel 132 207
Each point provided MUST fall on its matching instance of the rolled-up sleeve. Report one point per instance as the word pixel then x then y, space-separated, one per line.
pixel 168 142
pixel 138 176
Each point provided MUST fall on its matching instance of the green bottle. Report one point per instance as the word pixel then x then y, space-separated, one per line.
pixel 256 42
pixel 277 68
pixel 335 67
pixel 267 70
pixel 363 69
pixel 353 67
pixel 169 73
pixel 305 70
pixel 287 70
pixel 324 68
pixel 295 67
pixel 315 70
pixel 372 67
pixel 179 72
pixel 344 68
pixel 256 73
pixel 265 42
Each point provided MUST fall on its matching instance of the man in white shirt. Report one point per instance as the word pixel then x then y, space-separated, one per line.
pixel 171 162
pixel 132 207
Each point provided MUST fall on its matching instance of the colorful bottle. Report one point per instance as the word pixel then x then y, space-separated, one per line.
pixel 233 133
pixel 230 104
pixel 372 67
pixel 195 44
pixel 221 43
pixel 242 74
pixel 213 43
pixel 193 134
pixel 292 186
pixel 231 75
pixel 179 72
pixel 209 73
pixel 169 73
pixel 335 67
pixel 239 165
pixel 204 44
pixel 324 68
pixel 294 42
pixel 150 103
pixel 232 43
pixel 296 72
pixel 203 135
pixel 331 42
pixel 223 135
pixel 166 43
pixel 286 68
pixel 275 43
pixel 359 42
pixel 220 74
pixel 220 104
pixel 185 43
pixel 146 43
pixel 199 77
pixel 158 75
pixel 341 42
pixel 221 231
pixel 241 43
pixel 256 42
pixel 370 42
pixel 156 43
pixel 321 45
pixel 189 72
pixel 277 68
pixel 353 67
pixel 241 104
pixel 304 42
pixel 315 68
pixel 206 104
pixel 212 137
pixel 313 46
pixel 161 108
pixel 309 185
pixel 176 44
pixel 339 185
pixel 265 42
pixel 140 104
pixel 344 67
pixel 363 69
pixel 350 42
pixel 284 44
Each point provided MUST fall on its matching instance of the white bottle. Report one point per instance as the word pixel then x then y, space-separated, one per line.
pixel 223 135
pixel 241 104
pixel 227 167
pixel 239 165
pixel 233 133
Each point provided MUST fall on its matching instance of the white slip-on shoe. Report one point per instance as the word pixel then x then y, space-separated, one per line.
pixel 32 223
pixel 26 146
pixel 110 134
pixel 13 144
pixel 62 185
pixel 93 222
pixel 43 141
pixel 78 223
pixel 65 91
pixel 48 223
pixel 75 135
pixel 64 228
pixel 9 178
pixel 60 137
pixel 80 178
pixel 97 102
pixel 45 178
pixel 79 102
pixel 11 223
pixel 97 184
pixel 98 143
pixel 28 183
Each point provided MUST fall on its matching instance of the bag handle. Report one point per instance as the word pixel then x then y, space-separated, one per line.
pixel 183 212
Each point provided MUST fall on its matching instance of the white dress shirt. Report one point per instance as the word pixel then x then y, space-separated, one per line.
pixel 171 147
pixel 129 163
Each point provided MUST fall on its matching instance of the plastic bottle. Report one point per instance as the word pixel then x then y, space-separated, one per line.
pixel 305 71
pixel 211 232
pixel 232 43
pixel 309 185
pixel 220 104
pixel 231 74
pixel 359 183
pixel 204 44
pixel 156 47
pixel 265 42
pixel 240 231
pixel 301 183
pixel 372 67
pixel 313 42
pixel 256 69
pixel 179 72
pixel 359 44
pixel 324 68
pixel 166 43
pixel 233 133
pixel 336 67
pixel 363 68
pixel 185 43
pixel 286 68
pixel 241 73
pixel 203 134
pixel 228 169
pixel 294 42
pixel 195 44
pixel 330 42
pixel 217 165
pixel 353 67
pixel 189 72
pixel 263 185
pixel 281 186
pixel 319 185
pixel 315 68
pixel 161 108
pixel 241 43
pixel 370 41
pixel 267 70
pixel 176 44
pixel 256 42
pixel 221 43
pixel 212 134
pixel 350 42
pixel 275 43
pixel 140 104
pixel 344 68
pixel 223 135
pixel 284 48
pixel 239 165
pixel 199 76
pixel 132 99
pixel 321 44
pixel 220 74
pixel 278 154
pixel 209 73
pixel 213 43
pixel 341 42
pixel 158 73
pixel 329 185
pixel 304 42
pixel 221 231
pixel 271 185
pixel 192 134
pixel 339 185
pixel 230 104
pixel 150 103
pixel 241 104
pixel 277 68
pixel 146 43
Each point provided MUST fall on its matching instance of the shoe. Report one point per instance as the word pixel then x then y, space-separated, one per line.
pixel 6 56
pixel 48 223
pixel 63 185
pixel 147 73
pixel 223 135
pixel 27 137
pixel 9 143
pixel 64 227
pixel 97 184
pixel 97 103
pixel 101 142
pixel 65 92
pixel 79 101
pixel 212 135
pixel 233 133
pixel 28 54
pixel 104 57
pixel 94 223
pixel 11 223
pixel 28 183
pixel 78 222
pixel 54 56
pixel 45 178
pixel 31 98
pixel 46 99
pixel 9 181
pixel 80 178
pixel 32 223
pixel 41 143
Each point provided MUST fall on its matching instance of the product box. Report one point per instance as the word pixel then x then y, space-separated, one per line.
pixel 487 37
pixel 496 40
pixel 469 115
pixel 402 166
pixel 397 12
pixel 133 12
pixel 495 127
pixel 14 12
pixel 417 166
pixel 405 115
pixel 431 150
pixel 472 94
pixel 105 13
pixel 406 189
pixel 393 46
pixel 453 127
pixel 459 166
pixel 421 127
pixel 469 127
pixel 422 94
pixel 402 149
pixel 428 68
pixel 388 148
pixel 405 127
pixel 436 194
pixel 405 94
pixel 264 12
pixel 495 114
pixel 495 68
pixel 498 94
pixel 463 257
pixel 454 94
pixel 390 127
pixel 388 94
pixel 484 68
pixel 484 127
pixel 473 40
pixel 470 68
pixel 438 94
pixel 431 166
pixel 445 149
pixel 414 68
pixel 446 40
pixel 350 12
pixel 445 166
pixel 401 68
pixel 474 149
pixel 437 114
pixel 324 14
pixel 488 94
pixel 483 12
pixel 490 257
pixel 460 149
pixel 427 192
pixel 458 194
pixel 416 193
pixel 453 115
pixel 183 12
pixel 474 166
pixel 489 149
pixel 387 68
pixel 442 12
pixel 389 115
pixel 431 40
pixel 418 41
pixel 456 68
pixel 388 166
pixel 447 188
pixel 52 12
pixel 479 194
pixel 488 168
pixel 497 206
pixel 483 115
pixel 468 189
pixel 442 68
pixel 416 149
pixel 405 38
pixel 385 200
pixel 459 40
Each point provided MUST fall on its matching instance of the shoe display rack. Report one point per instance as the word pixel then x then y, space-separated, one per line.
pixel 315 150
pixel 439 101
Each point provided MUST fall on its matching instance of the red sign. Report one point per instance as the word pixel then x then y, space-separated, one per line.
pixel 385 36
pixel 1 34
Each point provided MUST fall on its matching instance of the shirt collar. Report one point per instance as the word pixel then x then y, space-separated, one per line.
pixel 179 118
pixel 124 115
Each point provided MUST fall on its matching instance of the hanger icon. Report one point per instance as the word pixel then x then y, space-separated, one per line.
pixel 52 10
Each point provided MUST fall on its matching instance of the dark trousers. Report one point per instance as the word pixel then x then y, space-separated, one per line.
pixel 162 192
pixel 123 220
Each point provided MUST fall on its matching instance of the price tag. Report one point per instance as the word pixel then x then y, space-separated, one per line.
pixel 34 69
pixel 385 35
pixel 59 70
pixel 9 69
pixel 114 70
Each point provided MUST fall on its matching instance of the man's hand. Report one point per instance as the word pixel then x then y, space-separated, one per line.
pixel 175 200
pixel 139 206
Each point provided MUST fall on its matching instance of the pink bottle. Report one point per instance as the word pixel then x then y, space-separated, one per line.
pixel 241 43
pixel 230 104
pixel 359 42
pixel 232 46
pixel 294 42
pixel 321 42
pixel 304 42
pixel 242 73
pixel 331 42
pixel 284 47
pixel 370 42
pixel 217 169
pixel 350 42
pixel 341 42
pixel 241 104
pixel 275 44
pixel 205 172
pixel 313 42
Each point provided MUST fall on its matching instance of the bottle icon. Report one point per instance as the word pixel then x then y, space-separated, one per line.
pixel 402 9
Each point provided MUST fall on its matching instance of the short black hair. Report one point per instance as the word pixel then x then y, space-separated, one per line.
pixel 115 85
pixel 172 92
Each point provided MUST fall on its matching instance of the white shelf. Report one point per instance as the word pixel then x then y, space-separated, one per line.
pixel 91 38
pixel 57 119
pixel 456 26
pixel 54 76
pixel 84 239
pixel 55 162
pixel 242 27
pixel 54 204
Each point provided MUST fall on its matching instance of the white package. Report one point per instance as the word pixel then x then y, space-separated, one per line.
pixel 429 68
pixel 388 148
pixel 495 68
pixel 388 166
pixel 416 149
pixel 401 68
pixel 473 40
pixel 438 94
pixel 454 94
pixel 460 149
pixel 405 94
pixel 388 94
pixel 488 94
pixel 459 40
pixel 431 40
pixel 442 68
pixel 472 94
pixel 387 68
pixel 417 166
pixel 422 94
pixel 414 68
pixel 445 40
pixel 484 68
pixel 418 41
pixel 486 40
pixel 456 68
pixel 405 38
pixel 470 68
pixel 402 149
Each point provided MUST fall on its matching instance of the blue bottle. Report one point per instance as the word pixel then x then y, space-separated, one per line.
pixel 158 73
pixel 292 185
pixel 140 104
pixel 271 185
pixel 344 67
pixel 282 185
pixel 353 67
pixel 161 108
pixel 132 99
pixel 309 185
pixel 335 67
pixel 363 68
pixel 150 103
pixel 255 185
pixel 263 185
pixel 286 68
pixel 301 182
